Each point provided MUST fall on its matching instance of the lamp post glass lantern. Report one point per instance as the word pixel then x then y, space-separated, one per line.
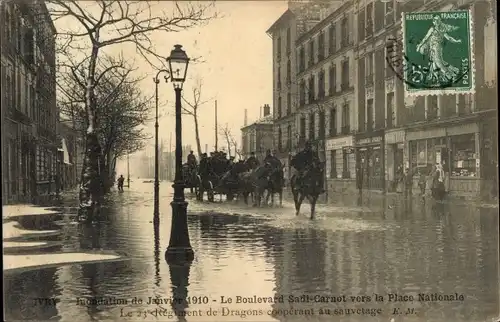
pixel 179 247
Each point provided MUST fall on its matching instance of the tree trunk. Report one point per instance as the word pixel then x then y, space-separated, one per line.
pixel 91 186
pixel 228 147
pixel 197 133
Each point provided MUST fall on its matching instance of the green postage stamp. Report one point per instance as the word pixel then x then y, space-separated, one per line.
pixel 438 53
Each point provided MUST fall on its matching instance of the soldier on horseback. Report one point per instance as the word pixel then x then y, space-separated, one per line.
pixel 252 161
pixel 307 159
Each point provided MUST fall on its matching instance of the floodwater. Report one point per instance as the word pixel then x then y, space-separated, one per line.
pixel 354 262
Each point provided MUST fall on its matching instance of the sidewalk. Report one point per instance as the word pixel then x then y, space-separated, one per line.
pixel 26 248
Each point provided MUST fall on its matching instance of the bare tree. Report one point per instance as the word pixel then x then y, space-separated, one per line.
pixel 228 136
pixel 193 108
pixel 122 111
pixel 94 27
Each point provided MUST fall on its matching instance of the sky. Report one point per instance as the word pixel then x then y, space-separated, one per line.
pixel 237 69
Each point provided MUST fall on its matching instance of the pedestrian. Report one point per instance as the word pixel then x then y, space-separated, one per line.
pixel 408 182
pixel 121 179
pixel 422 181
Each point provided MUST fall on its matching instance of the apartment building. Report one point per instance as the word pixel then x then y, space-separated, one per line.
pixel 29 111
pixel 258 137
pixel 327 102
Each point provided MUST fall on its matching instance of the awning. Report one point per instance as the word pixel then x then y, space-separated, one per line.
pixel 64 150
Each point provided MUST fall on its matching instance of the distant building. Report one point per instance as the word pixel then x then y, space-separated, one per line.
pixel 68 157
pixel 258 136
pixel 28 98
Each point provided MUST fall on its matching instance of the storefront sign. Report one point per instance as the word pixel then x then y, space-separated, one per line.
pixel 376 139
pixel 394 137
pixel 337 144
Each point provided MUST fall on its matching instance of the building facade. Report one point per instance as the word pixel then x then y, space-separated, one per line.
pixel 258 136
pixel 29 111
pixel 349 98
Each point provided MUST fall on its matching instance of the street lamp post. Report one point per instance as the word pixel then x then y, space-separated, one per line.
pixel 179 247
pixel 156 209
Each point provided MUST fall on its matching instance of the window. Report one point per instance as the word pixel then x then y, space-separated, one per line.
pixel 345 119
pixel 288 103
pixel 279 107
pixel 369 114
pixel 312 91
pixel 369 19
pixel 361 25
pixel 311 52
pixel 432 107
pixel 9 90
pixel 289 72
pixel 390 110
pixel 289 137
pixel 333 165
pixel 280 146
pixel 369 69
pixel 332 80
pixel 333 122
pixel 346 174
pixel 464 155
pixel 312 127
pixel 302 94
pixel 321 46
pixel 278 48
pixel 288 41
pixel 9 23
pixel 303 127
pixel 321 128
pixel 302 59
pixel 345 74
pixel 321 84
pixel 279 78
pixel 332 40
pixel 345 32
pixel 389 13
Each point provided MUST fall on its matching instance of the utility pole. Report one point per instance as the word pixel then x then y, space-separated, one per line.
pixel 216 135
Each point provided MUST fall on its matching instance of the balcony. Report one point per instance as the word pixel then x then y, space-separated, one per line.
pixel 344 86
pixel 345 129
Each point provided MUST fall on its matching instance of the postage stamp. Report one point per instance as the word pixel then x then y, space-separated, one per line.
pixel 438 53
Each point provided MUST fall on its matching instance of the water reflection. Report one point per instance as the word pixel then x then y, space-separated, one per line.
pixel 179 279
pixel 157 253
pixel 422 250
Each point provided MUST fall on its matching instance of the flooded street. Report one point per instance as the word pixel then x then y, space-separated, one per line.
pixel 270 265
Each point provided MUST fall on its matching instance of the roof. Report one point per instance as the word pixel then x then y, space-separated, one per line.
pixel 266 120
pixel 322 23
pixel 284 17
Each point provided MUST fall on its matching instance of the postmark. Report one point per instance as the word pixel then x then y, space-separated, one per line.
pixel 435 55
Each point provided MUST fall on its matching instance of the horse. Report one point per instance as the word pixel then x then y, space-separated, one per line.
pixel 275 185
pixel 255 182
pixel 306 186
pixel 190 177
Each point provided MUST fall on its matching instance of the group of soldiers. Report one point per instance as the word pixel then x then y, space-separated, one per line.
pixel 218 162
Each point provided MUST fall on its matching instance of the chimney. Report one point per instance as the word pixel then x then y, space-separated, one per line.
pixel 245 119
pixel 267 110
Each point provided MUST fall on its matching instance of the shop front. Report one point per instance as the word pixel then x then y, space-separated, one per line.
pixel 370 154
pixel 394 158
pixel 340 164
pixel 456 148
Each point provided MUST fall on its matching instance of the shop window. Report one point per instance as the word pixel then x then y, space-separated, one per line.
pixel 464 156
pixel 333 165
